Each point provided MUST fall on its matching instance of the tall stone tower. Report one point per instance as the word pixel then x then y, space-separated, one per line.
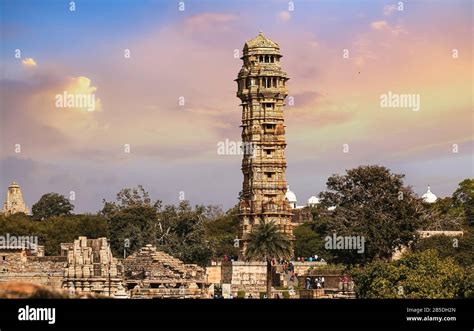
pixel 262 91
pixel 14 202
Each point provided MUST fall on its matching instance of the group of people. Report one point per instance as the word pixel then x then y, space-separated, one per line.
pixel 231 258
pixel 314 283
pixel 314 258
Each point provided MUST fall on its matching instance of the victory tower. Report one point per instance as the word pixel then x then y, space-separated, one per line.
pixel 262 91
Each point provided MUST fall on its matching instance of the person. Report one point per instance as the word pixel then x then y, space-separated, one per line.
pixel 250 296
pixel 322 281
pixel 344 284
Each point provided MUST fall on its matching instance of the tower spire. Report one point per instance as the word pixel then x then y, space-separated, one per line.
pixel 262 91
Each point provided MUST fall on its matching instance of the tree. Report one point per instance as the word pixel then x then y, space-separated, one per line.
pixel 266 243
pixel 307 242
pixel 221 231
pixel 65 229
pixel 132 216
pixel 182 232
pixel 421 275
pixel 373 203
pixel 309 236
pixel 52 204
pixel 464 197
pixel 459 248
pixel 467 287
pixel 55 230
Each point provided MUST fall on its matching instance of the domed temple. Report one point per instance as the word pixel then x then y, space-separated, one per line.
pixel 262 90
pixel 429 197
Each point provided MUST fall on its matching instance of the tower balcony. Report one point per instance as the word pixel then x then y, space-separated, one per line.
pixel 272 138
pixel 269 91
pixel 273 186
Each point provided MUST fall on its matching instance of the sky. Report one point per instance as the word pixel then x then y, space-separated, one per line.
pixel 139 59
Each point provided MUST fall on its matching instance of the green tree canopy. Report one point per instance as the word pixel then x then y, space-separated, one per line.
pixel 374 203
pixel 55 230
pixel 51 204
pixel 221 231
pixel 421 275
pixel 182 232
pixel 464 197
pixel 132 216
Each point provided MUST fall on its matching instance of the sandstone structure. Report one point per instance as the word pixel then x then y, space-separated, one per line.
pixel 14 202
pixel 92 268
pixel 251 277
pixel 86 267
pixel 151 273
pixel 262 91
pixel 20 265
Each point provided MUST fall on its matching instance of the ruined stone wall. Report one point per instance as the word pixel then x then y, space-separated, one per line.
pixel 250 277
pixel 214 273
pixel 17 266
pixel 151 273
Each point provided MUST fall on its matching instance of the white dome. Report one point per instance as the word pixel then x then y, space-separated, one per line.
pixel 332 208
pixel 313 200
pixel 290 195
pixel 429 197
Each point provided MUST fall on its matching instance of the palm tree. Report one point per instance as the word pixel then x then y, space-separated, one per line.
pixel 265 243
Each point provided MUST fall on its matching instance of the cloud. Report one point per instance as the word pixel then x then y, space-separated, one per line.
pixel 284 16
pixel 384 26
pixel 379 25
pixel 29 62
pixel 79 90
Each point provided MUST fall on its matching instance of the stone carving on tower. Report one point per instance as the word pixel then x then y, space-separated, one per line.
pixel 262 91
pixel 14 202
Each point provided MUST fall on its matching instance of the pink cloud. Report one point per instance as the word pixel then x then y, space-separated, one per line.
pixel 284 16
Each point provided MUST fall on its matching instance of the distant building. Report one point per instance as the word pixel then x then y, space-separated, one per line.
pixel 14 202
pixel 429 197
pixel 291 197
pixel 313 201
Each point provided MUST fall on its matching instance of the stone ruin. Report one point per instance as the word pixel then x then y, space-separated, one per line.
pixel 87 267
pixel 21 265
pixel 92 268
pixel 151 273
